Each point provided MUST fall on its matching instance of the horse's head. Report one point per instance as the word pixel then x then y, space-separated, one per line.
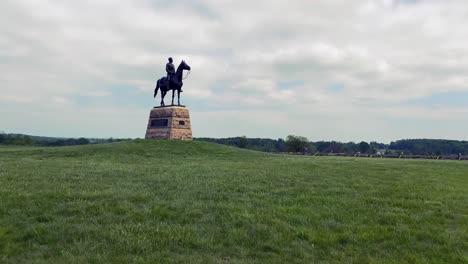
pixel 184 66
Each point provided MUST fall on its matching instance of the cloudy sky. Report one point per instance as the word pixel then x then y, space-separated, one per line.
pixel 325 69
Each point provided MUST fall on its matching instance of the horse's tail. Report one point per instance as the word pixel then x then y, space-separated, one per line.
pixel 156 89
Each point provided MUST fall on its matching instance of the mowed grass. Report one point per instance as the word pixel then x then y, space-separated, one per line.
pixel 196 202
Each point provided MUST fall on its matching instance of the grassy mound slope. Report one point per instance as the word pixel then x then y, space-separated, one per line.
pixel 196 202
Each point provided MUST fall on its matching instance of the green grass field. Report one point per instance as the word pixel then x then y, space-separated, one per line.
pixel 196 202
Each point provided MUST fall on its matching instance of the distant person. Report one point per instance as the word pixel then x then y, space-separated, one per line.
pixel 305 151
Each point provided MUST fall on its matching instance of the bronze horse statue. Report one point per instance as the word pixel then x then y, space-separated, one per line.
pixel 174 84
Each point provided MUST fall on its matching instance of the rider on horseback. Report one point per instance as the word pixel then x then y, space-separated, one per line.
pixel 170 69
pixel 172 82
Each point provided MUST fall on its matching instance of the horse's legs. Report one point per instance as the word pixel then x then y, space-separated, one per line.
pixel 178 96
pixel 173 92
pixel 163 93
pixel 156 88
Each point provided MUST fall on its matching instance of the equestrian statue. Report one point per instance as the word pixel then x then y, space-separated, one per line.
pixel 173 81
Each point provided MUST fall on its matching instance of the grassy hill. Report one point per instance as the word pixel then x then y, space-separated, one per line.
pixel 197 202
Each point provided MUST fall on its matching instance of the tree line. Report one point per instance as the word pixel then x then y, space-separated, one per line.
pixel 299 144
pixel 292 143
pixel 26 140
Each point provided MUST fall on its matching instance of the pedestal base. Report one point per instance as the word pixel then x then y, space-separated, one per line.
pixel 169 123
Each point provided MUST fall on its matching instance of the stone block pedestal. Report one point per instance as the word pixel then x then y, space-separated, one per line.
pixel 169 123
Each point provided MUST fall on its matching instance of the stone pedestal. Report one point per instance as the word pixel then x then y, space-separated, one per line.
pixel 169 123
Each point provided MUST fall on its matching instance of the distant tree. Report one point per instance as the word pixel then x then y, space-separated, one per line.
pixel 350 147
pixel 280 145
pixel 312 148
pixel 296 143
pixel 364 147
pixel 430 146
pixel 82 141
pixel 27 141
pixel 377 145
pixel 242 142
pixel 330 147
pixel 372 150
